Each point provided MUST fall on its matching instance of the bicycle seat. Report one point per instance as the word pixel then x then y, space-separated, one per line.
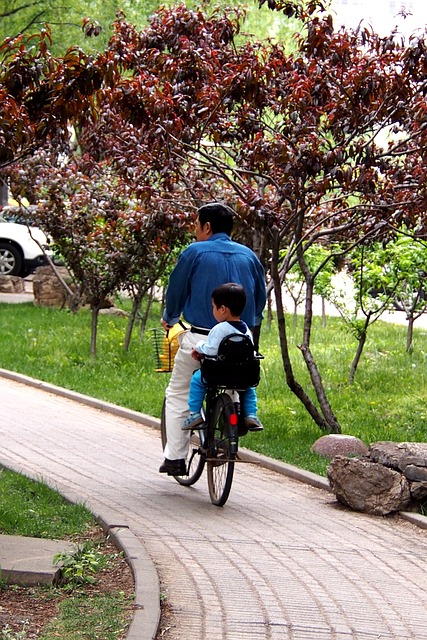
pixel 236 348
pixel 235 367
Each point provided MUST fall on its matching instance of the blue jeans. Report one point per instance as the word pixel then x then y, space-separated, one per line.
pixel 198 391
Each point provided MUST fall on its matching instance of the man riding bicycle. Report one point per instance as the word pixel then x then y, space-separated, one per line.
pixel 212 260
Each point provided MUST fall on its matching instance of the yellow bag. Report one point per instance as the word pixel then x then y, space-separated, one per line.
pixel 166 345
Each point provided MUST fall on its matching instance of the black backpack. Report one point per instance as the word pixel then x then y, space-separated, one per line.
pixel 236 366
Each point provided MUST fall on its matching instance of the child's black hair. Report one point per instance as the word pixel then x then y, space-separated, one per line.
pixel 232 296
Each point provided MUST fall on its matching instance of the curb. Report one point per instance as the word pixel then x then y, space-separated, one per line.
pixel 146 618
pixel 285 469
pixel 146 615
pixel 114 409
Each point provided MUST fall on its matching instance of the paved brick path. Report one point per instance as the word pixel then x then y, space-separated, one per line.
pixel 280 561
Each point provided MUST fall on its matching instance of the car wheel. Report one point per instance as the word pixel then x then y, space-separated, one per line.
pixel 10 260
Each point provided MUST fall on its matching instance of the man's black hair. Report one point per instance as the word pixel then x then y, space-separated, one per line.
pixel 232 296
pixel 219 215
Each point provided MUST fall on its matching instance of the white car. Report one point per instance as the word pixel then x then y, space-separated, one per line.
pixel 20 246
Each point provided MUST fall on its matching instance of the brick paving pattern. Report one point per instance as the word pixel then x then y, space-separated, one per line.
pixel 282 560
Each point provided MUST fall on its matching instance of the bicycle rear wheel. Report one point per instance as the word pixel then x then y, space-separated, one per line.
pixel 195 462
pixel 220 461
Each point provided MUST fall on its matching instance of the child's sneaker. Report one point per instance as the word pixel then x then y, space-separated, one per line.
pixel 193 421
pixel 253 423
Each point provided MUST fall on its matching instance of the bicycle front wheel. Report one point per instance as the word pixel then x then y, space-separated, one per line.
pixel 220 461
pixel 195 461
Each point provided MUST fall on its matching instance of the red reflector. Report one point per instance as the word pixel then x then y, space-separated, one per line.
pixel 233 419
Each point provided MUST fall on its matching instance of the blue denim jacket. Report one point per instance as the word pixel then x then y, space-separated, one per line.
pixel 202 267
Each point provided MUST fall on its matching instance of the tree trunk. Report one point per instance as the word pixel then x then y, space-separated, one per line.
pixel 333 426
pixel 410 334
pixel 131 322
pixel 295 315
pixel 136 303
pixel 94 329
pixel 146 313
pixel 361 344
pixel 293 385
pixel 323 312
pixel 315 377
pixel 269 311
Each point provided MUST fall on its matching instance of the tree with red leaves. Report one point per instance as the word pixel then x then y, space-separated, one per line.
pixel 109 239
pixel 323 146
pixel 328 144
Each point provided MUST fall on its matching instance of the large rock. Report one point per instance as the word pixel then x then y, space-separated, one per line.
pixel 419 491
pixel 368 487
pixel 48 289
pixel 391 477
pixel 12 284
pixel 415 474
pixel 338 444
pixel 398 455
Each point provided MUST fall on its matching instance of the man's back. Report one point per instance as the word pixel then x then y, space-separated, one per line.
pixel 202 267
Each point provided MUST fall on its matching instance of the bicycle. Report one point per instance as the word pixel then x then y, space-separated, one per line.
pixel 216 443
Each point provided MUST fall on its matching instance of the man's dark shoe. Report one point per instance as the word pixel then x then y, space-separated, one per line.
pixel 173 467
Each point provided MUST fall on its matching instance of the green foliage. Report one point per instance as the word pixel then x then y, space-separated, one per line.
pixel 373 273
pixel 31 508
pixel 408 256
pixel 8 634
pixel 261 24
pixel 321 267
pixel 78 568
pixel 382 276
pixel 66 21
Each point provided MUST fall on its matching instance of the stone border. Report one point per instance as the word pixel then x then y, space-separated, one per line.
pixel 114 409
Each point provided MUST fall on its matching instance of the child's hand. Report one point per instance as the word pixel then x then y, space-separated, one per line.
pixel 196 355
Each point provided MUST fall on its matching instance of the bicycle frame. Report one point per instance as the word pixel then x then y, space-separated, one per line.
pixel 232 412
pixel 235 422
pixel 216 443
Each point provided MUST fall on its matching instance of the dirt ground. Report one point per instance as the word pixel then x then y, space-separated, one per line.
pixel 32 608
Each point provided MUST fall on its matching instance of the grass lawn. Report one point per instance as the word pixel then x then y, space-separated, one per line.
pixel 387 401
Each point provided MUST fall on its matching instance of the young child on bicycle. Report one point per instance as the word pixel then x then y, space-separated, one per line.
pixel 228 302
